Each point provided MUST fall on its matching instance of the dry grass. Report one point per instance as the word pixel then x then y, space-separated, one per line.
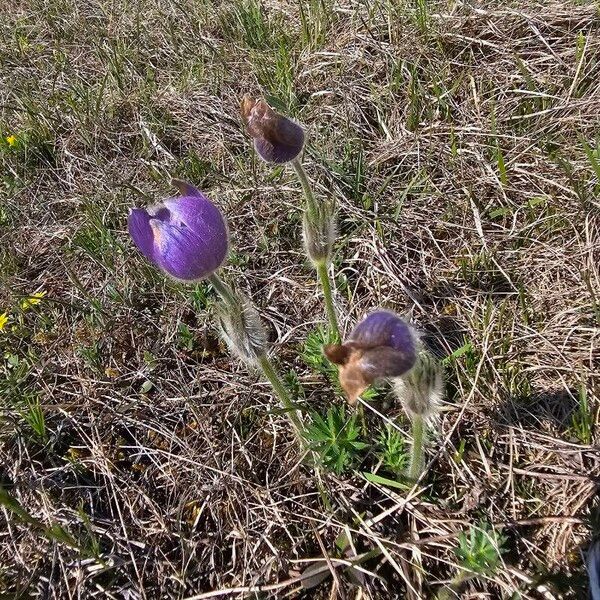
pixel 459 142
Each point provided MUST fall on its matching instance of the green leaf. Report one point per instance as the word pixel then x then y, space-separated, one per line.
pixel 373 478
pixel 315 574
pixel 146 387
pixel 479 551
pixel 458 353
pixel 359 445
pixel 335 439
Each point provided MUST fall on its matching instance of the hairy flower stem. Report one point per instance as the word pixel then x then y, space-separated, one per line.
pixel 311 203
pixel 323 274
pixel 416 459
pixel 263 361
pixel 282 393
pixel 320 266
pixel 222 288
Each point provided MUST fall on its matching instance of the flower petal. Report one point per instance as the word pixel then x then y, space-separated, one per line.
pixel 384 328
pixel 202 217
pixel 277 139
pixel 138 224
pixel 382 345
pixel 353 378
pixel 182 253
pixel 187 236
pixel 338 354
pixel 277 152
pixel 385 361
pixel 185 188
pixel 359 368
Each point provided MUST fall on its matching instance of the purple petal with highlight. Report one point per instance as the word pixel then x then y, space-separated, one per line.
pixel 182 253
pixel 187 236
pixel 185 188
pixel 138 224
pixel 201 216
pixel 384 328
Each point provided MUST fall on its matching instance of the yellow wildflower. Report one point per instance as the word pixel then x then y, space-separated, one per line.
pixel 73 454
pixel 34 299
pixel 3 320
pixel 11 140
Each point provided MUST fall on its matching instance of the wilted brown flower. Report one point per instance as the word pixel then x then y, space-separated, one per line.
pixel 277 139
pixel 382 345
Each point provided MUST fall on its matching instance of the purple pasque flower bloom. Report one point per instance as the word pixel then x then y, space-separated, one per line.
pixel 381 345
pixel 277 139
pixel 593 569
pixel 186 237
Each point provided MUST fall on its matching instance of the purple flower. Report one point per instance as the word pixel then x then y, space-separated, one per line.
pixel 593 569
pixel 381 345
pixel 277 139
pixel 186 236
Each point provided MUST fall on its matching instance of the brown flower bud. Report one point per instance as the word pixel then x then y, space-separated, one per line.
pixel 277 139
pixel 359 367
pixel 382 345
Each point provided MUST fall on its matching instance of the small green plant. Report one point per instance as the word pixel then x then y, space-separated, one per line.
pixel 496 150
pixel 479 551
pixel 593 156
pixel 246 21
pixel 415 98
pixel 293 383
pixel 422 15
pixel 334 439
pixel 312 352
pixel 34 416
pixel 54 532
pixel 582 421
pixel 479 554
pixel 185 337
pixel 91 355
pixel 275 73
pixel 392 449
pixel 316 18
pixel 90 543
pixel 199 297
pixel 96 239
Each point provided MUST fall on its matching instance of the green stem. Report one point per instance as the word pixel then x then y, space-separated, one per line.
pixel 329 307
pixel 290 410
pixel 360 411
pixel 416 461
pixel 228 297
pixel 321 266
pixel 311 203
pixel 222 288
